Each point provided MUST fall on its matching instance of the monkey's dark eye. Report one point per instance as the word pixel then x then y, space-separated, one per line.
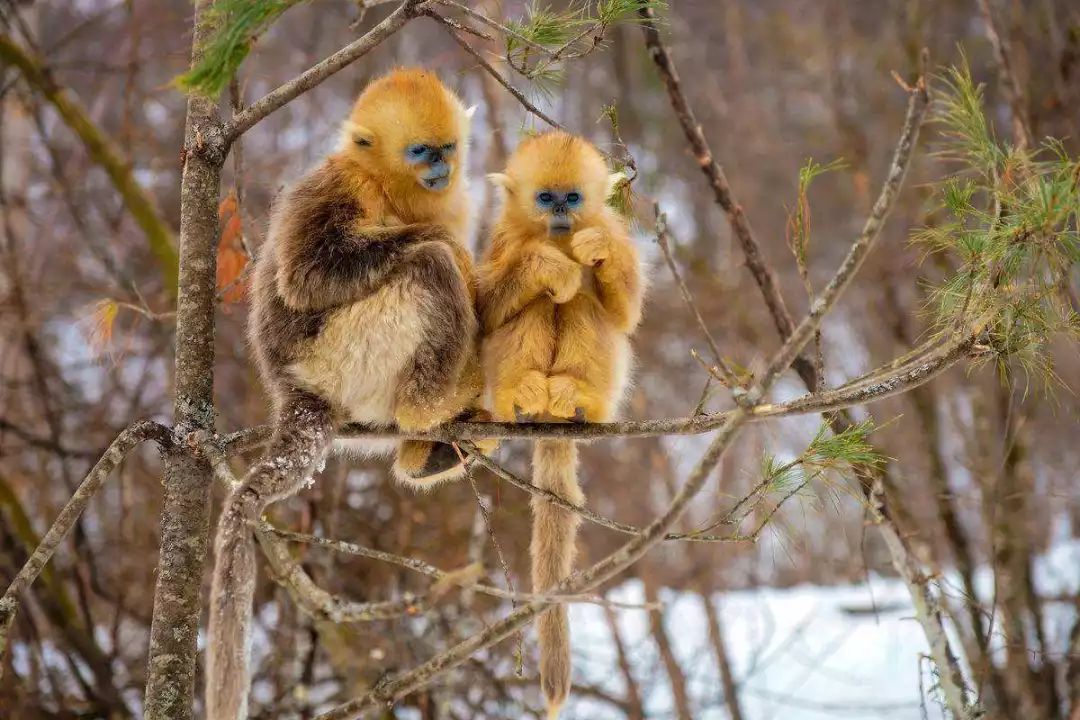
pixel 573 199
pixel 417 150
pixel 544 199
pixel 449 148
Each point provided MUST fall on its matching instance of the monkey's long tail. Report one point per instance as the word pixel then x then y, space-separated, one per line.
pixel 232 593
pixel 553 535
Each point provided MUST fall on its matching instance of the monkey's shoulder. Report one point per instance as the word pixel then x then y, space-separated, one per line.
pixel 321 200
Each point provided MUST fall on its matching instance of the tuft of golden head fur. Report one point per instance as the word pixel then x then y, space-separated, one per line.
pixel 405 106
pixel 553 160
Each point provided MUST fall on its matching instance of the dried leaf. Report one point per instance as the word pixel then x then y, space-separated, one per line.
pixel 232 258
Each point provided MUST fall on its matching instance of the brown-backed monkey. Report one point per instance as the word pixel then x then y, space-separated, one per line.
pixel 560 291
pixel 362 312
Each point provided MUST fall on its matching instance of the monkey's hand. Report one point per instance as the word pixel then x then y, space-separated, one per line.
pixel 590 246
pixel 559 275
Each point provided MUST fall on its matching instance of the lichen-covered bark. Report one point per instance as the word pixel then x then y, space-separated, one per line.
pixel 170 685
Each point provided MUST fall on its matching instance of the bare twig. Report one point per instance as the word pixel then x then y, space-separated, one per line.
pixel 663 239
pixel 490 69
pixel 503 474
pixel 321 605
pixel 1010 83
pixel 496 25
pixel 435 573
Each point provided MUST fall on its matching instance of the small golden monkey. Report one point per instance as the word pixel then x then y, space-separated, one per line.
pixel 362 311
pixel 560 291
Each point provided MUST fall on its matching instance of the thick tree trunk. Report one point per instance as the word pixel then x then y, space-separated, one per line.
pixel 170 685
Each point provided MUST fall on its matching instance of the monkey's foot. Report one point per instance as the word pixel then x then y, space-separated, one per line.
pixel 522 417
pixel 417 417
pixel 531 396
pixel 487 445
pixel 423 464
pixel 564 399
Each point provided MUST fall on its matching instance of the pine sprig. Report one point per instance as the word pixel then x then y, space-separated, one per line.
pixel 542 26
pixel 828 452
pixel 544 38
pixel 798 225
pixel 240 23
pixel 1009 218
pixel 611 12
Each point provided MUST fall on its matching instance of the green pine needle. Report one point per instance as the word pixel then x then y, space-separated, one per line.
pixel 1009 219
pixel 827 452
pixel 240 23
pixel 610 12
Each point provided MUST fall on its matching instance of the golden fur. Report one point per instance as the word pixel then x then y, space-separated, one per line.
pixel 556 313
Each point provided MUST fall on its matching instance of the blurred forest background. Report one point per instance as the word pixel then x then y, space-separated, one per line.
pixel 984 475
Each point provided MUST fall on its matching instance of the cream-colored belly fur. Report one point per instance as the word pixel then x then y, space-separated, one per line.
pixel 357 360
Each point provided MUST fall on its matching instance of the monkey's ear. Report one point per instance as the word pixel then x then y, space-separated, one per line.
pixel 470 111
pixel 502 180
pixel 357 134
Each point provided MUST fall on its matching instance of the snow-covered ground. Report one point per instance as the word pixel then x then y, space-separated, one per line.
pixel 803 653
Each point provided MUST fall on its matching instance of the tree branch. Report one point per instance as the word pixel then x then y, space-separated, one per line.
pixel 114 455
pixel 886 381
pixel 918 101
pixel 663 239
pixel 440 576
pixel 185 511
pixel 1014 91
pixel 503 474
pixel 764 275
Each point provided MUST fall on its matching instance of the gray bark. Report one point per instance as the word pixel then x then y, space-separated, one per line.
pixel 185 518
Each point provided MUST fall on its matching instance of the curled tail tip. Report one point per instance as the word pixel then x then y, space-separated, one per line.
pixel 553 710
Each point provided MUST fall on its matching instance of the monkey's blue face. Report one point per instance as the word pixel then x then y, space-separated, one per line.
pixel 433 163
pixel 558 206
